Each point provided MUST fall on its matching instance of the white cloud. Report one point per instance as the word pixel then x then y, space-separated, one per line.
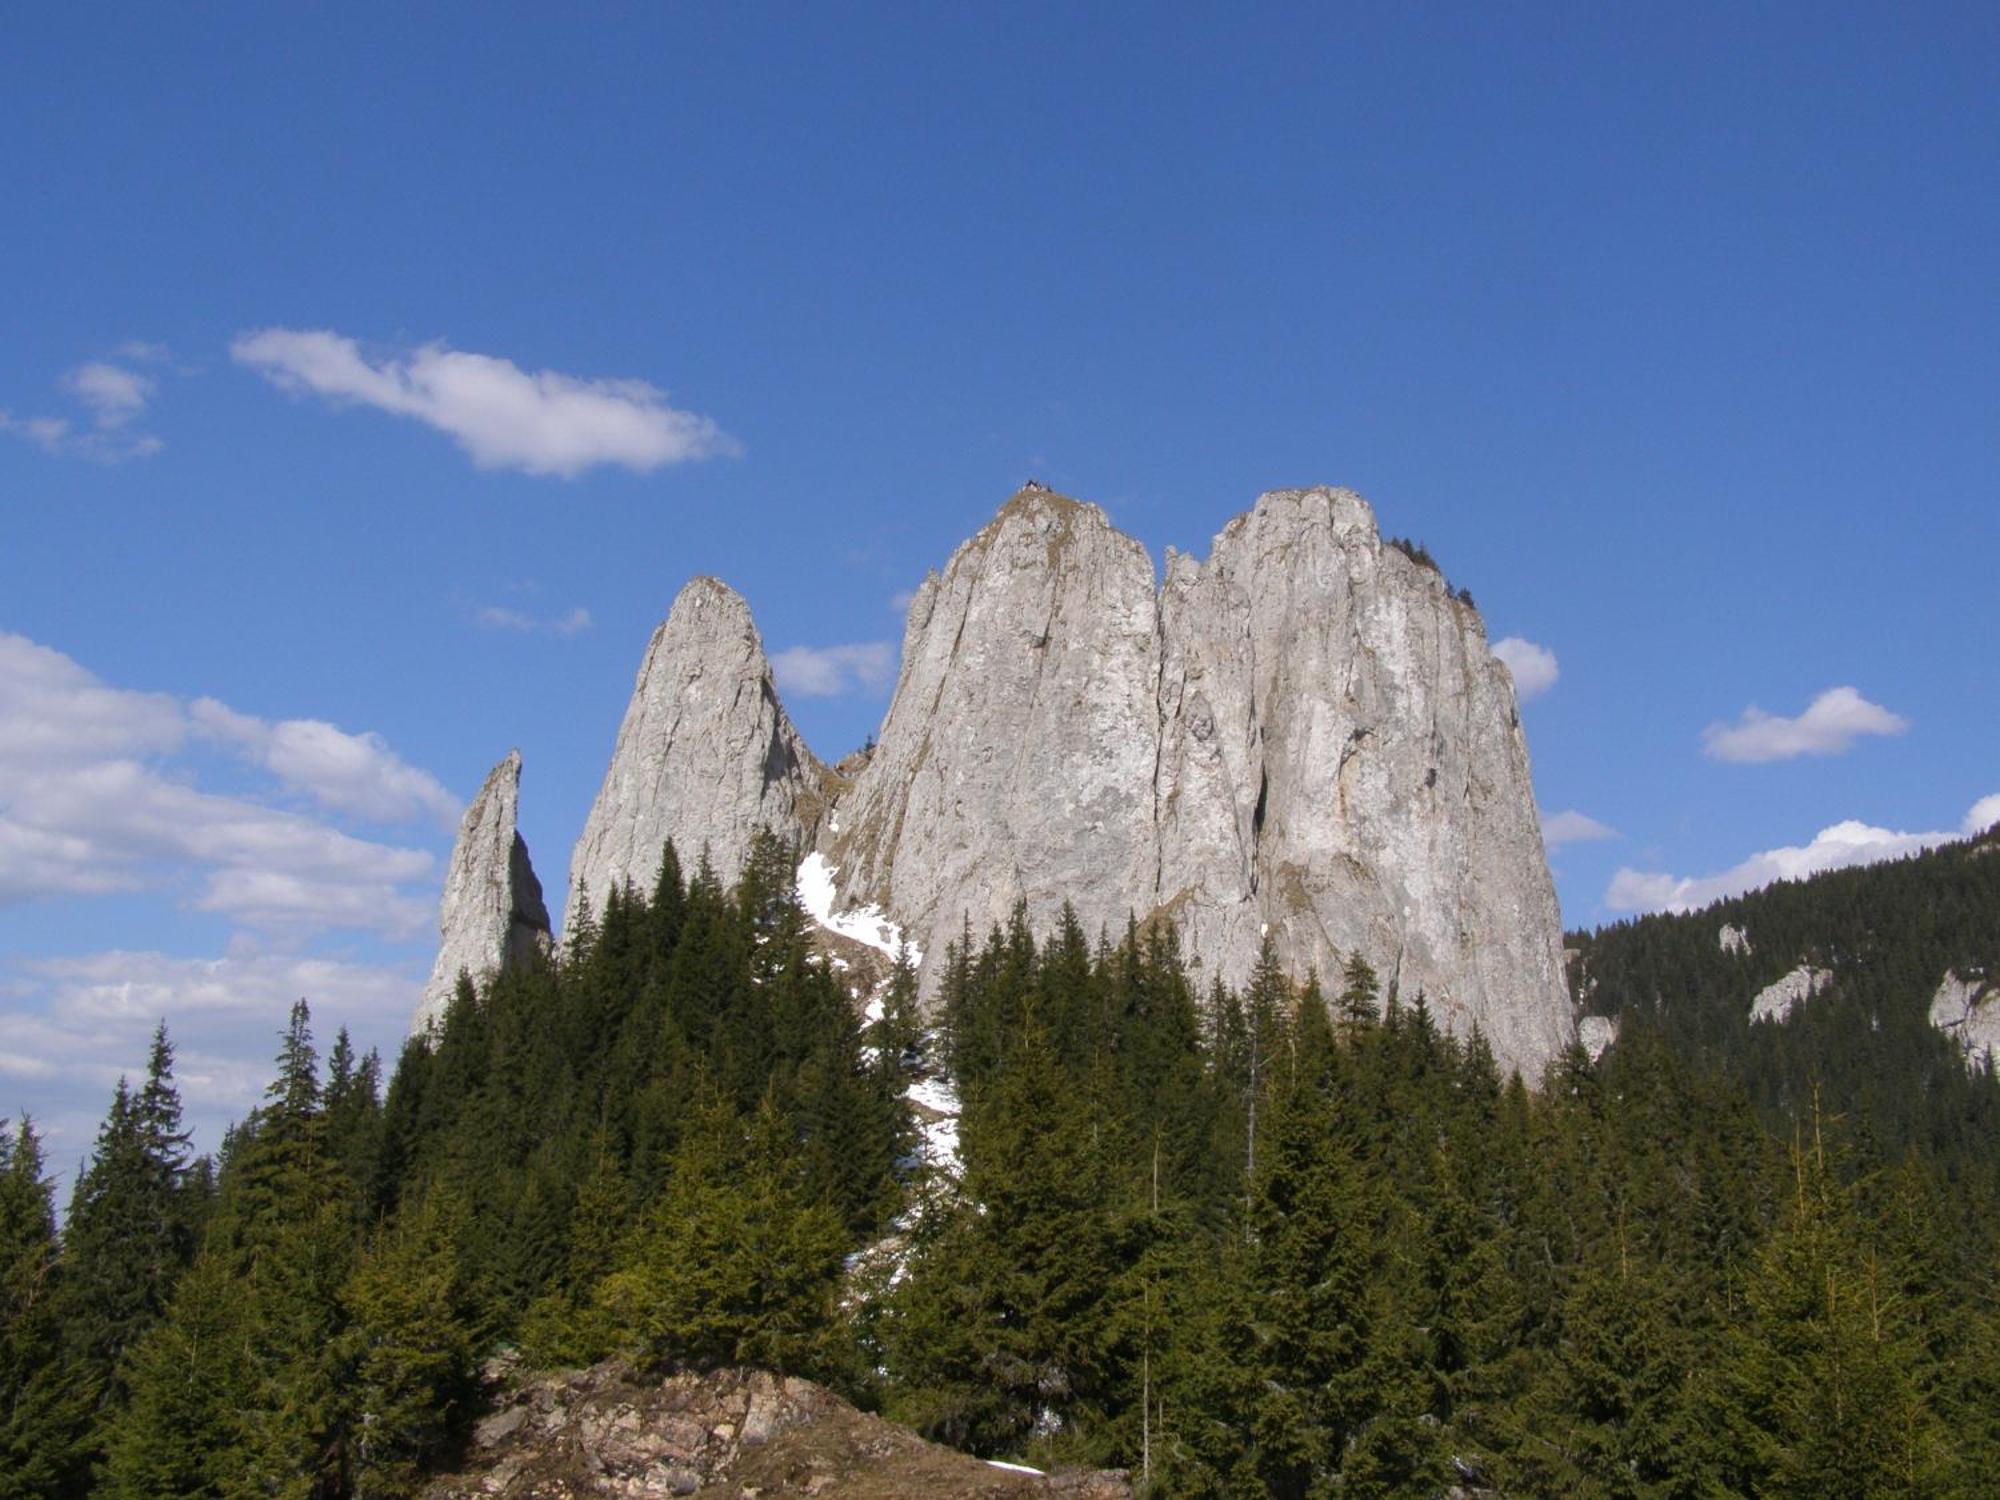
pixel 902 599
pixel 1534 667
pixel 114 394
pixel 1831 722
pixel 86 807
pixel 831 671
pixel 543 422
pixel 355 773
pixel 1846 843
pixel 1984 814
pixel 501 617
pixel 47 433
pixel 74 1024
pixel 1573 827
pixel 53 712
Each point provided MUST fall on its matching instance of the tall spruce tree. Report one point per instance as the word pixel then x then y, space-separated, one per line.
pixel 130 1230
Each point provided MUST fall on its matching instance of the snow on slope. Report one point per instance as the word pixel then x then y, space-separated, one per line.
pixel 867 925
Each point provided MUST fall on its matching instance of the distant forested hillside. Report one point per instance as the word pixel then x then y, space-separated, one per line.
pixel 1290 1241
pixel 1887 934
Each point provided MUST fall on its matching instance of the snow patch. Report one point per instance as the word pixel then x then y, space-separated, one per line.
pixel 867 925
pixel 937 1146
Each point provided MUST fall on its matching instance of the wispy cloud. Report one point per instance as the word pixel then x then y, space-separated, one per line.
pixel 504 417
pixel 1846 843
pixel 1831 722
pixel 355 773
pixel 114 397
pixel 834 671
pixel 1573 827
pixel 90 802
pixel 501 617
pixel 1534 667
pixel 114 394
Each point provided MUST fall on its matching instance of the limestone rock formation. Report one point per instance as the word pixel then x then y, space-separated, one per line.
pixel 1596 1034
pixel 1733 940
pixel 1304 736
pixel 1341 763
pixel 1777 1001
pixel 492 913
pixel 705 756
pixel 1018 755
pixel 1967 1009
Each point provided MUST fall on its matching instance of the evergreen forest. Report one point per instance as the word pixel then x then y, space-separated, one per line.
pixel 1292 1240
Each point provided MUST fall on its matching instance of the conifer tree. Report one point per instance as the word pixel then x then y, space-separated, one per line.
pixel 130 1234
pixel 406 1354
pixel 45 1399
pixel 732 1264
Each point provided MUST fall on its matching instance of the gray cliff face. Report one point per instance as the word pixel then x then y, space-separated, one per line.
pixel 492 913
pixel 1303 736
pixel 1341 764
pixel 1016 762
pixel 705 756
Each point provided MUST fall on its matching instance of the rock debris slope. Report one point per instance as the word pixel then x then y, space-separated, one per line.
pixel 492 913
pixel 1304 735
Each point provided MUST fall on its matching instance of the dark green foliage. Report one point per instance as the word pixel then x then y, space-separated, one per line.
pixel 406 1353
pixel 45 1397
pixel 131 1229
pixel 734 1262
pixel 1266 1241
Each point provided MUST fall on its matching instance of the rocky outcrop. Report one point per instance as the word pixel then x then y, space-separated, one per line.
pixel 1967 1009
pixel 1777 1001
pixel 1018 755
pixel 1733 940
pixel 492 912
pixel 706 754
pixel 1304 736
pixel 610 1431
pixel 1596 1034
pixel 1341 765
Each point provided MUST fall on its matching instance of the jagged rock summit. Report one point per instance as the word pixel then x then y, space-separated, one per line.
pixel 1304 735
pixel 706 755
pixel 492 913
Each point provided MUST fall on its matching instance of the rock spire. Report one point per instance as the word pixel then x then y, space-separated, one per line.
pixel 492 913
pixel 1303 736
pixel 706 755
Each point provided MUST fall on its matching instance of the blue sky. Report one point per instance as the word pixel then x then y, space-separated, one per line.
pixel 373 377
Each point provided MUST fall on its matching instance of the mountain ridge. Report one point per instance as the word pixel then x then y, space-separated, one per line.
pixel 1301 740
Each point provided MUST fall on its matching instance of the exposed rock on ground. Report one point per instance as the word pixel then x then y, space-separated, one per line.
pixel 1967 1009
pixel 1777 1001
pixel 1596 1033
pixel 728 1433
pixel 492 912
